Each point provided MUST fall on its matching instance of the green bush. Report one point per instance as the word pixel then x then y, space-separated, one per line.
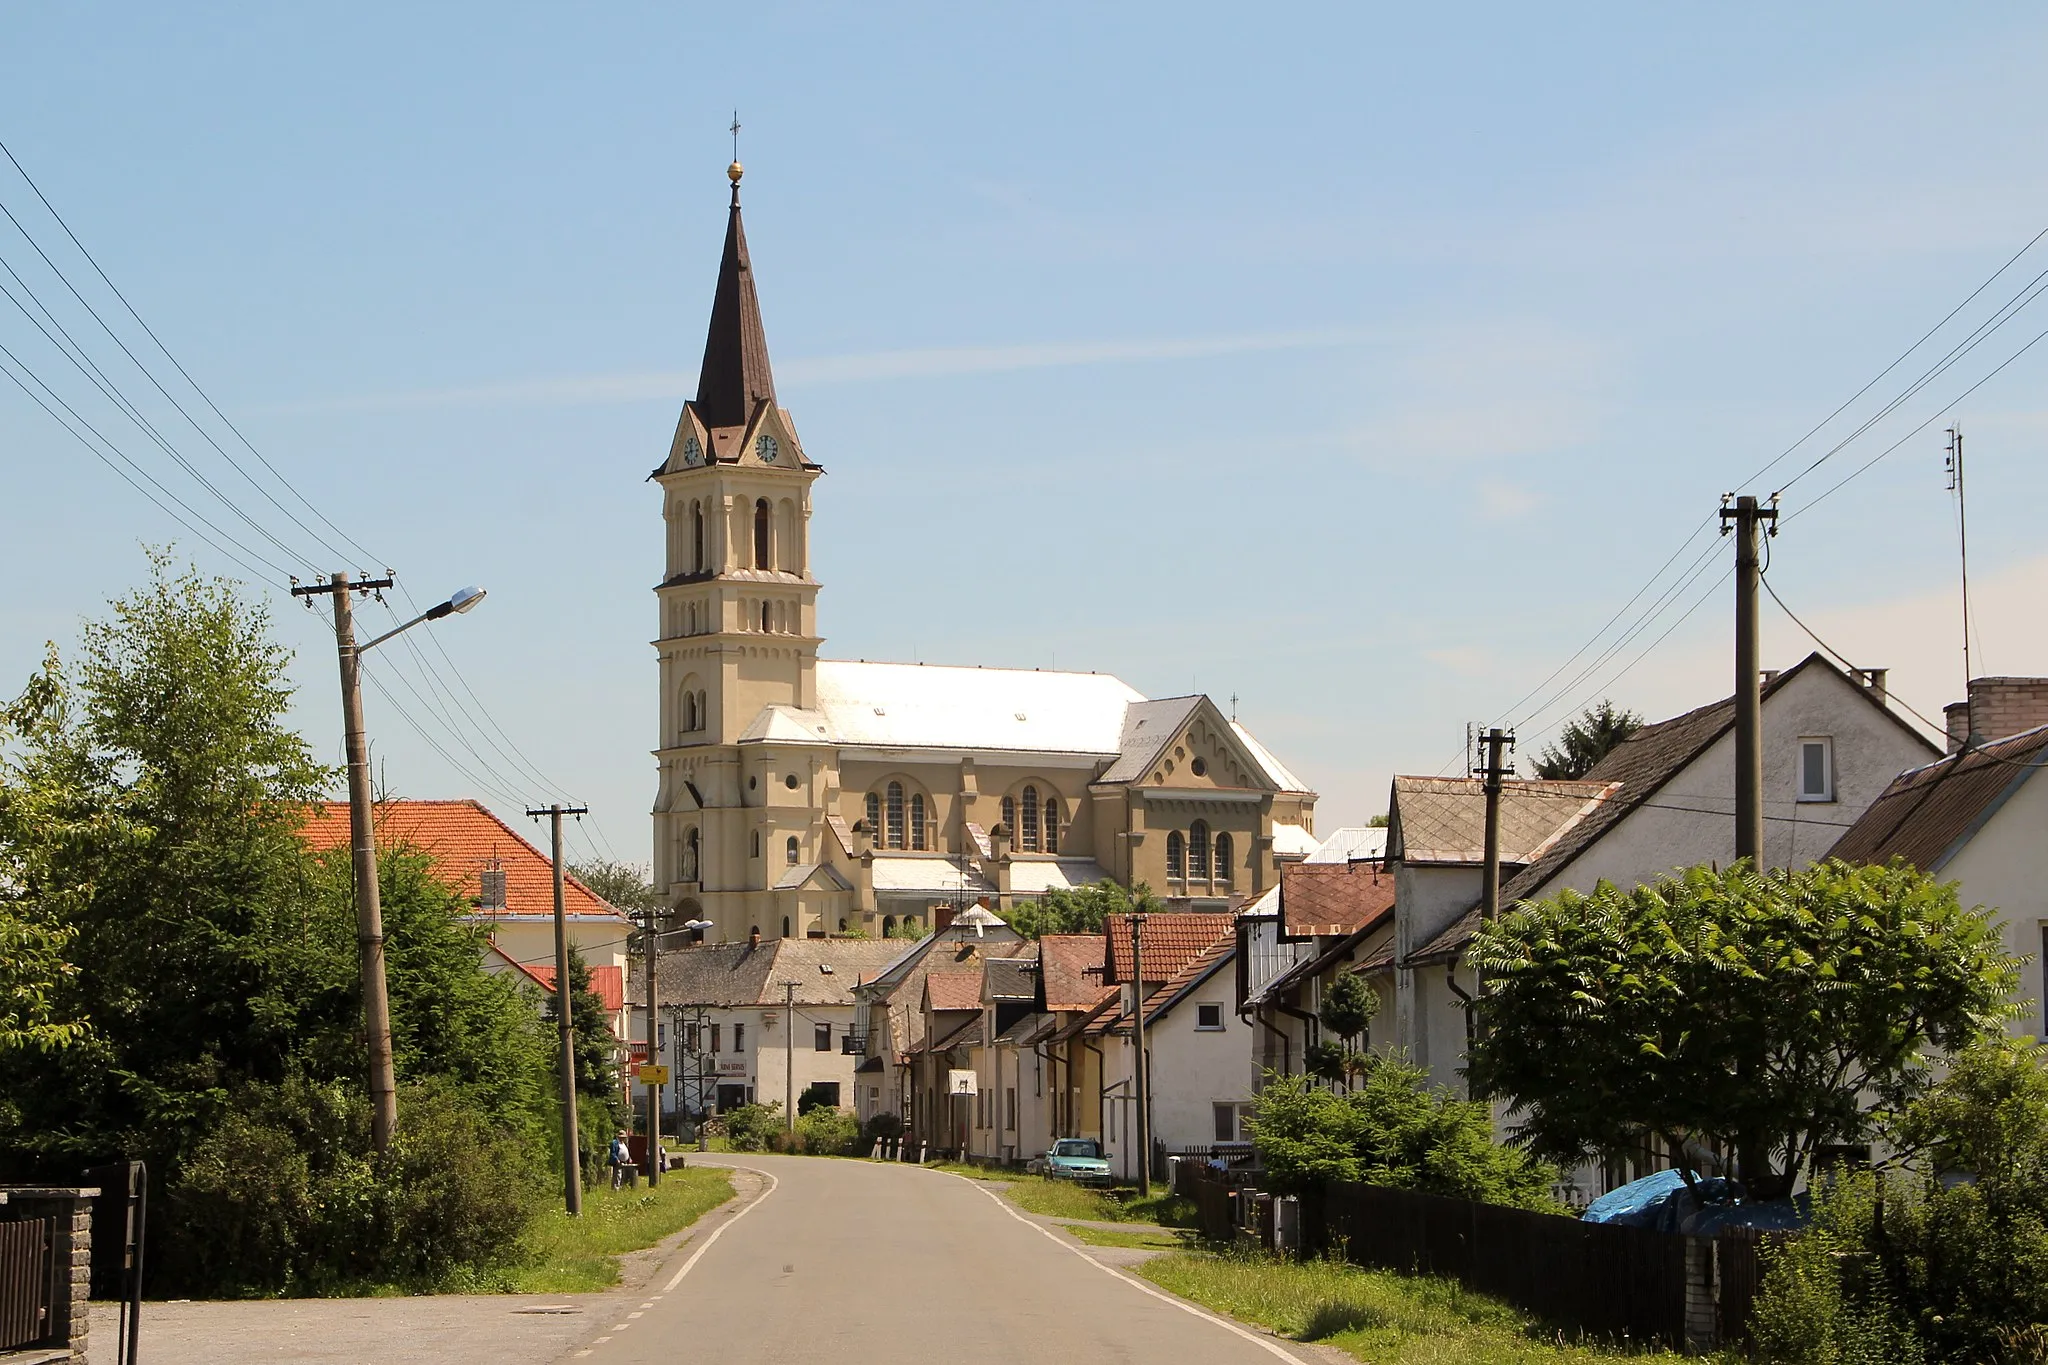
pixel 1950 1263
pixel 283 1195
pixel 884 1125
pixel 814 1097
pixel 828 1132
pixel 1391 1129
pixel 754 1127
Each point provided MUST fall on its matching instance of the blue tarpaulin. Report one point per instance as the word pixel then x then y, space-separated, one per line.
pixel 1662 1203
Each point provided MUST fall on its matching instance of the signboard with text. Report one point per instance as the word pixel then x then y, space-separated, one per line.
pixel 653 1075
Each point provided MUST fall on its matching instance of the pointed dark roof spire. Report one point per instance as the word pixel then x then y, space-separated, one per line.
pixel 736 375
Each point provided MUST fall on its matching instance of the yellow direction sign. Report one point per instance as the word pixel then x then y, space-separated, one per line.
pixel 653 1075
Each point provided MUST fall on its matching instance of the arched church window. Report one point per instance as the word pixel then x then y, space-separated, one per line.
pixel 917 831
pixel 785 926
pixel 764 618
pixel 1224 868
pixel 689 712
pixel 761 534
pixel 690 851
pixel 1028 839
pixel 791 851
pixel 875 819
pixel 895 815
pixel 703 710
pixel 1010 816
pixel 1052 825
pixel 1176 857
pixel 1198 850
pixel 697 537
pixel 757 843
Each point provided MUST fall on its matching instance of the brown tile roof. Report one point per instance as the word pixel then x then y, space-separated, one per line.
pixel 1333 898
pixel 463 839
pixel 954 990
pixel 1071 965
pixel 1170 940
pixel 1443 819
pixel 1927 814
pixel 734 974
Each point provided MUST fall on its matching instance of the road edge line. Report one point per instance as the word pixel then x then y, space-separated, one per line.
pixel 1263 1343
pixel 720 1230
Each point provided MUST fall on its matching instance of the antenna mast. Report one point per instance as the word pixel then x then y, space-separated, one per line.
pixel 1955 486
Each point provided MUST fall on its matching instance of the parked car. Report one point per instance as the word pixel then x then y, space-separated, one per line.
pixel 1080 1160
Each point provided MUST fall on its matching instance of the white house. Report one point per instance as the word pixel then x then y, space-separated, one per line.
pixel 758 1022
pixel 1976 817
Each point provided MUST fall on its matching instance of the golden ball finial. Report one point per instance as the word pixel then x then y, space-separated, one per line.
pixel 734 172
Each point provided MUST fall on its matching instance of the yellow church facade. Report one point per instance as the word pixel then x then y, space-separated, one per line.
pixel 806 797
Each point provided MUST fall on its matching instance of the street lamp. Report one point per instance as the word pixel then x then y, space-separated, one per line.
pixel 362 837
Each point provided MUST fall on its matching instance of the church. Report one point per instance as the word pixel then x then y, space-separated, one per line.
pixel 808 797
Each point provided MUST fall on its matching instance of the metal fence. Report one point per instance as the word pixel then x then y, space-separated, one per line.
pixel 27 1280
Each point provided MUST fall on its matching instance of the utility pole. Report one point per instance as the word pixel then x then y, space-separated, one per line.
pixel 363 855
pixel 572 1160
pixel 1143 1070
pixel 647 930
pixel 1747 515
pixel 789 1057
pixel 1955 486
pixel 1492 770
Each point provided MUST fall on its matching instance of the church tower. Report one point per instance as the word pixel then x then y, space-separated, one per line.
pixel 737 608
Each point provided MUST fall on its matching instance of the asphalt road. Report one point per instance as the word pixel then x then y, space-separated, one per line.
pixel 853 1261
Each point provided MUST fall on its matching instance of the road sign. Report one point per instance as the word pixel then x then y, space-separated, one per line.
pixel 653 1075
pixel 960 1082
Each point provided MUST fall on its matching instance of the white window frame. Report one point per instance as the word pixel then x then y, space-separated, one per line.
pixel 1219 1026
pixel 1827 748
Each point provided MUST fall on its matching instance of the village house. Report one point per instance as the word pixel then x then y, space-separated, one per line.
pixel 757 1022
pixel 508 883
pixel 1329 916
pixel 803 797
pixel 1975 817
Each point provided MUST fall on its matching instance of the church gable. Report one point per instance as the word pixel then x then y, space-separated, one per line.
pixel 1204 753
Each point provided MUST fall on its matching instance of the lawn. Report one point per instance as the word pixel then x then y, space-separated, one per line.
pixel 1144 1238
pixel 1376 1316
pixel 1064 1199
pixel 567 1255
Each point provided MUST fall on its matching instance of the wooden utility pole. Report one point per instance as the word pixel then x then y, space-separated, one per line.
pixel 652 944
pixel 1144 1078
pixel 1747 515
pixel 363 855
pixel 789 1057
pixel 572 1159
pixel 1491 771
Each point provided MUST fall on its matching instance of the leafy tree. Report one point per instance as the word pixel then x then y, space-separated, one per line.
pixel 1377 822
pixel 1082 910
pixel 1391 1129
pixel 1585 741
pixel 1348 1007
pixel 1750 1009
pixel 623 885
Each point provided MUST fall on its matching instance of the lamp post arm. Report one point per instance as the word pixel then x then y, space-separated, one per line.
pixel 426 615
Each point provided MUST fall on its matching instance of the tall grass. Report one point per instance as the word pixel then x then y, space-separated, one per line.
pixel 564 1255
pixel 1373 1315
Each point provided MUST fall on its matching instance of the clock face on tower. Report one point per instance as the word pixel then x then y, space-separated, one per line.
pixel 766 449
pixel 693 454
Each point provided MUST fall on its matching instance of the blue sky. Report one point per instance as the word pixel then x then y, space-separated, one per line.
pixel 1358 361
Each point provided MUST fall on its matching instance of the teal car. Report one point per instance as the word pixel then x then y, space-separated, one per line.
pixel 1080 1160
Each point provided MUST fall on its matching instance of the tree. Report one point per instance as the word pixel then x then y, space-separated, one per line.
pixel 1745 1009
pixel 1585 741
pixel 1391 1129
pixel 1082 910
pixel 597 1047
pixel 623 885
pixel 1347 1011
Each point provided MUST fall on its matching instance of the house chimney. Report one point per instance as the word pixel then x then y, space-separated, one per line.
pixel 1874 679
pixel 942 915
pixel 1957 716
pixel 1770 676
pixel 2005 706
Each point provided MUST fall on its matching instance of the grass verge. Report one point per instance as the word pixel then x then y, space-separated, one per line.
pixel 1145 1239
pixel 1063 1199
pixel 1375 1316
pixel 579 1255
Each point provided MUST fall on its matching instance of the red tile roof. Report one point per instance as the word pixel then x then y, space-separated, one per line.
pixel 463 839
pixel 1170 941
pixel 1071 965
pixel 1333 898
pixel 954 990
pixel 608 982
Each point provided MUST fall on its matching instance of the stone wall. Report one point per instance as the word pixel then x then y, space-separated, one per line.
pixel 70 1316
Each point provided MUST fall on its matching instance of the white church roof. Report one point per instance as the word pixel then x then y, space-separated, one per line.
pixel 928 706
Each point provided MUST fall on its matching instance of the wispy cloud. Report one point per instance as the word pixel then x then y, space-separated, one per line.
pixel 863 367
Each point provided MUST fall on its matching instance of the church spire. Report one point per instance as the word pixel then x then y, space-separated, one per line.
pixel 735 375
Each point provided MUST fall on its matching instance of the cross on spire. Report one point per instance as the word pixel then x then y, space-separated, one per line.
pixel 735 130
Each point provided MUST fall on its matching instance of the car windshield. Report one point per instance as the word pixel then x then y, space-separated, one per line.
pixel 1076 1147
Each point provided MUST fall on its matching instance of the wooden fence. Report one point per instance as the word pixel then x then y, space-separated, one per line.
pixel 1607 1281
pixel 27 1281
